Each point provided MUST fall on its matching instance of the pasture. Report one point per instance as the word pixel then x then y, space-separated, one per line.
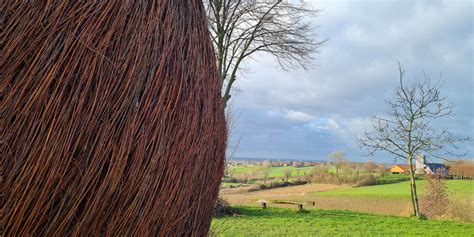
pixel 399 190
pixel 316 222
pixel 275 172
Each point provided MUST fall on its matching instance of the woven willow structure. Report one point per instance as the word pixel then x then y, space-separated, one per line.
pixel 112 122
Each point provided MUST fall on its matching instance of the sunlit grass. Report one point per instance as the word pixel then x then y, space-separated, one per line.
pixel 287 222
pixel 275 172
pixel 400 190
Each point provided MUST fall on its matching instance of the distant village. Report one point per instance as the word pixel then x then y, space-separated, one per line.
pixel 456 169
pixel 275 163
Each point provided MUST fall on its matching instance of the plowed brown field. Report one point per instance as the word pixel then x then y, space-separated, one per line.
pixel 305 194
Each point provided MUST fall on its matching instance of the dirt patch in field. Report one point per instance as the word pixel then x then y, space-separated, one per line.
pixel 293 190
pixel 363 204
pixel 305 194
pixel 239 190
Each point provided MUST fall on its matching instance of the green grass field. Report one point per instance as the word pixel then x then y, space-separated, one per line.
pixel 287 222
pixel 401 190
pixel 275 172
pixel 391 178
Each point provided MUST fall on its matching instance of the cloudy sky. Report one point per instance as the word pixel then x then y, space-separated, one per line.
pixel 307 114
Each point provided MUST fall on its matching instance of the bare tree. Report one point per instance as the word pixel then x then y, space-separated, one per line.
pixel 267 163
pixel 241 28
pixel 266 166
pixel 462 169
pixel 338 159
pixel 265 173
pixel 287 173
pixel 370 166
pixel 406 131
pixel 382 170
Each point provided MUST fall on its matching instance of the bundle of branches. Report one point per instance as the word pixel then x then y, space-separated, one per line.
pixel 111 118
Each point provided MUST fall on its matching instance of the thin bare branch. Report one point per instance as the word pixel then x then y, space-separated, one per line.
pixel 242 28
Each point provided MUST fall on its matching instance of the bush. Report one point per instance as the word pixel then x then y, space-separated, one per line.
pixel 324 178
pixel 355 179
pixel 462 208
pixel 223 208
pixel 435 201
pixel 366 181
pixel 231 179
pixel 320 169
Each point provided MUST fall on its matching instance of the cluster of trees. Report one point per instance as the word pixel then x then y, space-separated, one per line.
pixel 461 169
pixel 253 174
pixel 342 171
pixel 263 173
pixel 243 177
pixel 339 161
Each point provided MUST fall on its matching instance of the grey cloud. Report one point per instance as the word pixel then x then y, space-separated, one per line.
pixel 357 73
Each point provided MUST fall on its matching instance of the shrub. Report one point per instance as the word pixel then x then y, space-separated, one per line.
pixel 462 208
pixel 320 169
pixel 435 201
pixel 366 181
pixel 231 179
pixel 223 208
pixel 324 178
pixel 329 178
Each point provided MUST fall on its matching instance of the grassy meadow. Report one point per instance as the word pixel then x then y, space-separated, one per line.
pixel 399 190
pixel 275 172
pixel 254 221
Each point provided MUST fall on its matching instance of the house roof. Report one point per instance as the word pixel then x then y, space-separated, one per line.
pixel 403 167
pixel 435 166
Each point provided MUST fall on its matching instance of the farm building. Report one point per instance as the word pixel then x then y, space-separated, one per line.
pixel 399 169
pixel 435 168
pixel 421 167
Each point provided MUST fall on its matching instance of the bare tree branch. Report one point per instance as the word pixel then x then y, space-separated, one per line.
pixel 241 28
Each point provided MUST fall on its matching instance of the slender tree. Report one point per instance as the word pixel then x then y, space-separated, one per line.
pixel 370 166
pixel 266 166
pixel 265 174
pixel 241 28
pixel 407 131
pixel 338 158
pixel 287 173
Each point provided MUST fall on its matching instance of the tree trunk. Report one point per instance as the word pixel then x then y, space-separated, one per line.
pixel 414 195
